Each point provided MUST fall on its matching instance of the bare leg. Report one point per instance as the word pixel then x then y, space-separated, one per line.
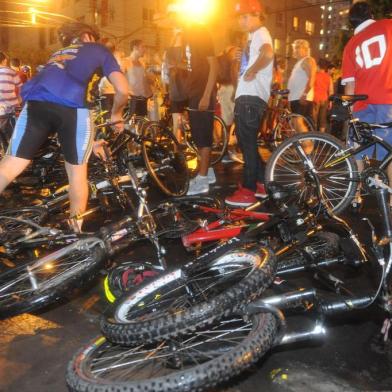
pixel 10 168
pixel 177 120
pixel 205 153
pixel 78 189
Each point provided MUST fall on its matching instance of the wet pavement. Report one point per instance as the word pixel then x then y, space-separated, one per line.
pixel 35 348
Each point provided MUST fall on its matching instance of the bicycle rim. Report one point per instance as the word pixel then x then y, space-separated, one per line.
pixel 336 172
pixel 195 361
pixel 164 159
pixel 34 284
pixel 219 141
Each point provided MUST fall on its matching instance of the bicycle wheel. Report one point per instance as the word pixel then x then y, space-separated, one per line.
pixel 219 141
pixel 199 293
pixel 37 283
pixel 164 160
pixel 20 222
pixel 305 160
pixel 289 126
pixel 182 215
pixel 194 362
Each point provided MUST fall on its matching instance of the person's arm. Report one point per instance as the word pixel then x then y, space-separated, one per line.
pixel 265 58
pixel 330 90
pixel 212 74
pixel 310 67
pixel 120 84
pixel 349 88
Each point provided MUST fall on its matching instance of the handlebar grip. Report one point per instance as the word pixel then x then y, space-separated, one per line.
pixel 382 200
pixel 110 229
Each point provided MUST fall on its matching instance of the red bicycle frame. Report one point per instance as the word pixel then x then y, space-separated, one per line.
pixel 226 227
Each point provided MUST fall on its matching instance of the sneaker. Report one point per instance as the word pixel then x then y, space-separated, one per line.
pixel 198 185
pixel 211 176
pixel 226 159
pixel 260 190
pixel 242 197
pixel 236 157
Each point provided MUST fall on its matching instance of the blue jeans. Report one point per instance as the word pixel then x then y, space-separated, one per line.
pixel 376 114
pixel 248 112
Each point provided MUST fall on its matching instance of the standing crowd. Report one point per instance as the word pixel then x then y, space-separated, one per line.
pixel 58 98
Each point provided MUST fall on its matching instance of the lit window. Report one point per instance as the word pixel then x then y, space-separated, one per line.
pixel 277 44
pixel 321 46
pixel 321 32
pixel 309 27
pixel 295 23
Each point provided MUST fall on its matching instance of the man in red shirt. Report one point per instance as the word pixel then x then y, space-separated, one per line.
pixel 323 88
pixel 367 70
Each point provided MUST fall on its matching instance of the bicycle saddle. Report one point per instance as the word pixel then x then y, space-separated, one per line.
pixel 348 99
pixel 280 92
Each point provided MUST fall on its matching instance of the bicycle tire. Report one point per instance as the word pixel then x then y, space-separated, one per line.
pixel 335 170
pixel 288 128
pixel 138 315
pixel 210 361
pixel 219 141
pixel 165 161
pixel 87 256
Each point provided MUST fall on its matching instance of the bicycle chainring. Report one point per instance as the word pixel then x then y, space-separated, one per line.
pixel 370 172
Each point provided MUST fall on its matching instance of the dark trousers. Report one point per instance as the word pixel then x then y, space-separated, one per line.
pixel 248 112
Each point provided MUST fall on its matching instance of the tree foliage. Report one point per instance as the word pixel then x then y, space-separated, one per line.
pixel 382 8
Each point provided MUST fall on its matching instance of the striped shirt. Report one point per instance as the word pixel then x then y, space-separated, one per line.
pixel 9 83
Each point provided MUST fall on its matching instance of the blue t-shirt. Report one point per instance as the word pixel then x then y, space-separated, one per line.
pixel 71 75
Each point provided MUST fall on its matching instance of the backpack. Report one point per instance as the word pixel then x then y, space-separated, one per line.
pixel 224 69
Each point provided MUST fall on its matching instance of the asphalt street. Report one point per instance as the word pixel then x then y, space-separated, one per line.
pixel 35 348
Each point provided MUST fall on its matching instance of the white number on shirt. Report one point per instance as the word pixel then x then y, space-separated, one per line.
pixel 363 56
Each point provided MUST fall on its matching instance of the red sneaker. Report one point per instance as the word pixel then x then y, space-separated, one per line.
pixel 260 190
pixel 242 197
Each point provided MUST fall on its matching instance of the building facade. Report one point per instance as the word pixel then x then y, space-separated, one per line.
pixel 125 20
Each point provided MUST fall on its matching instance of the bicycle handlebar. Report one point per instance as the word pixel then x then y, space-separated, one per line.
pixel 109 124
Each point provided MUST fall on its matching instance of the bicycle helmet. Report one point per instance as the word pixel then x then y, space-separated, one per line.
pixel 127 276
pixel 248 7
pixel 71 32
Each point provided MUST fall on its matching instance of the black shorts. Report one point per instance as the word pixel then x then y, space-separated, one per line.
pixel 38 120
pixel 178 106
pixel 138 106
pixel 305 108
pixel 201 122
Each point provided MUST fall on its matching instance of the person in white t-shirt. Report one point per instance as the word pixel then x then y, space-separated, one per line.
pixel 301 81
pixel 252 95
